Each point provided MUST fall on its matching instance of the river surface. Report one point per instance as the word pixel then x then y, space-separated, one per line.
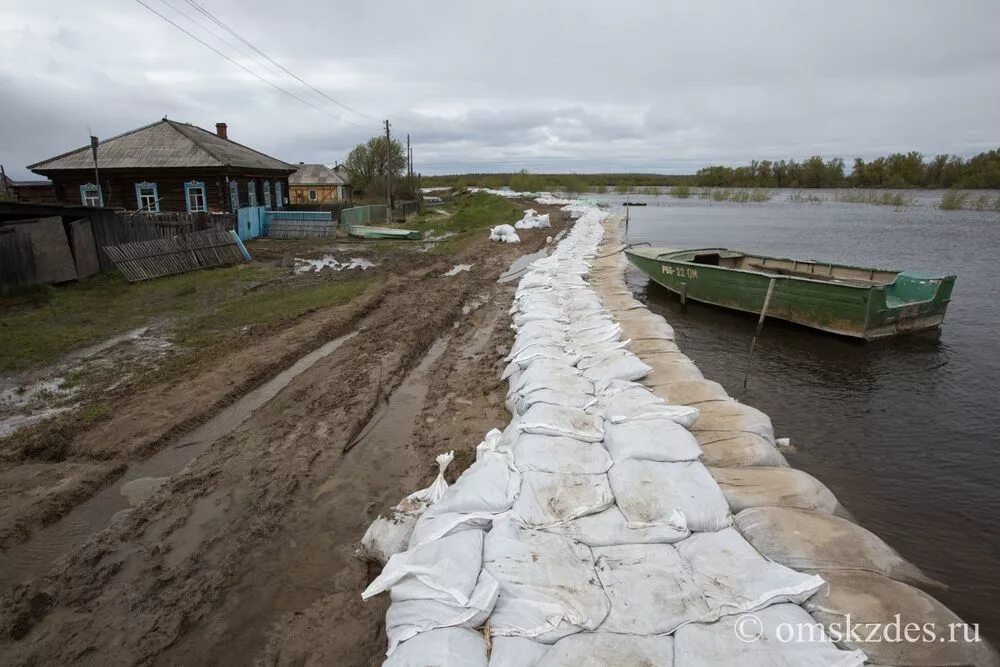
pixel 905 431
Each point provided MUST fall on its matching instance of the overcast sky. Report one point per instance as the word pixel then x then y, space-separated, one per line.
pixel 563 86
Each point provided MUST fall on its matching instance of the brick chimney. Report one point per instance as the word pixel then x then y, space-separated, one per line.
pixel 220 129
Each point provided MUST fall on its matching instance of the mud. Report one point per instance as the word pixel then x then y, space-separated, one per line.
pixel 247 553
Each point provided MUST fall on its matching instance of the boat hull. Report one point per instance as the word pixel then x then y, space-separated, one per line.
pixel 911 303
pixel 368 232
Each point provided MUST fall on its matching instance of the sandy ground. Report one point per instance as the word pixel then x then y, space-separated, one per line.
pixel 247 554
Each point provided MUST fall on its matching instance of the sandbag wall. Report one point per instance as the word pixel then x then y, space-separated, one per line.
pixel 592 530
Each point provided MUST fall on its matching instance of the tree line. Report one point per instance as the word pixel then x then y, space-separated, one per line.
pixel 899 170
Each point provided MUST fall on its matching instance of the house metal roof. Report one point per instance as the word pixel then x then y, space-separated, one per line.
pixel 315 174
pixel 164 144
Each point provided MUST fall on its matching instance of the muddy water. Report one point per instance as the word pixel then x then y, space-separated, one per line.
pixel 905 432
pixel 26 561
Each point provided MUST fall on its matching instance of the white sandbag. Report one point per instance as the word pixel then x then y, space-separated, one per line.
pixel 408 617
pixel 650 589
pixel 559 382
pixel 486 488
pixel 733 416
pixel 734 577
pixel 690 392
pixel 519 404
pixel 445 569
pixel 532 221
pixel 649 492
pixel 547 453
pixel 545 580
pixel 549 498
pixel 590 649
pixel 390 535
pixel 622 365
pixel 504 234
pixel 545 373
pixel 782 487
pixel 681 415
pixel 540 314
pixel 650 439
pixel 601 335
pixel 894 606
pixel 809 541
pixel 733 640
pixel 725 449
pixel 544 419
pixel 447 647
pixel 609 528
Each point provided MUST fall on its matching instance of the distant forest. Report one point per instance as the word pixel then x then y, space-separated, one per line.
pixel 899 170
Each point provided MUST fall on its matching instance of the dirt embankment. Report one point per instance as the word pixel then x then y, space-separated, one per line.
pixel 247 553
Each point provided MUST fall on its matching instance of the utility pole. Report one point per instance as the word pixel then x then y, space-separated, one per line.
pixel 409 163
pixel 388 172
pixel 97 176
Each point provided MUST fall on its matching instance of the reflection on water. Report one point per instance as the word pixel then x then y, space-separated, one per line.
pixel 904 431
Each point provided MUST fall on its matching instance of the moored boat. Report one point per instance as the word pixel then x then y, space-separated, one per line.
pixel 848 300
pixel 369 232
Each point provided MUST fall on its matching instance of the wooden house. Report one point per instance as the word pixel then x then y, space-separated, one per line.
pixel 169 167
pixel 318 184
pixel 29 192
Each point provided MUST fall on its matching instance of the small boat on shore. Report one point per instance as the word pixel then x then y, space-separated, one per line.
pixel 634 203
pixel 847 300
pixel 369 232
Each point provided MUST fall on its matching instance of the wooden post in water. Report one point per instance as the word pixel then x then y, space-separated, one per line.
pixel 684 295
pixel 760 325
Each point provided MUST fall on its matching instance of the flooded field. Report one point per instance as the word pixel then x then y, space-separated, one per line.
pixel 905 431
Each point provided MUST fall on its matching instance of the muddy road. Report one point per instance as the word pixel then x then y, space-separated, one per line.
pixel 246 554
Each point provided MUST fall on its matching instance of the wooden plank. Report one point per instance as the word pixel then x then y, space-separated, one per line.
pixel 155 258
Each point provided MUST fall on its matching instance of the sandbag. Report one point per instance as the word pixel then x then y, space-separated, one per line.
pixel 544 419
pixel 598 649
pixel 409 616
pixel 610 527
pixel 782 487
pixel 730 449
pixel 668 369
pixel 504 234
pixel 651 346
pixel 872 598
pixel 548 498
pixel 547 453
pixel 650 439
pixel 621 365
pixel 447 647
pixel 390 535
pixel 649 492
pixel 446 569
pixel 809 541
pixel 518 404
pixel 690 391
pixel 682 415
pixel 721 643
pixel 733 416
pixel 545 580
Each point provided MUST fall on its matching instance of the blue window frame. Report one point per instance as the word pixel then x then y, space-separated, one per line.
pixel 147 197
pixel 279 195
pixel 252 193
pixel 267 194
pixel 234 195
pixel 91 195
pixel 195 197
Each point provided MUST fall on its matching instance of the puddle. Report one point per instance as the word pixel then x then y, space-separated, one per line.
pixel 429 236
pixel 455 270
pixel 520 266
pixel 332 263
pixel 395 420
pixel 34 557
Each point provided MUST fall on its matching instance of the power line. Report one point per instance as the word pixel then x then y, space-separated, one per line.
pixel 248 70
pixel 274 62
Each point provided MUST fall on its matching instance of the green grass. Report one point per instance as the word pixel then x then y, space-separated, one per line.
pixel 680 191
pixel 739 196
pixel 204 304
pixel 469 215
pixel 876 197
pixel 800 197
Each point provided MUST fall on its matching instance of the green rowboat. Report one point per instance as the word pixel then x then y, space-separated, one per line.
pixel 841 299
pixel 368 232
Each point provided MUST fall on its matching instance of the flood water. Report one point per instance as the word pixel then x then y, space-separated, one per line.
pixel 905 431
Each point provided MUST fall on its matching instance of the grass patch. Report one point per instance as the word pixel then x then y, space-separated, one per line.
pixel 800 197
pixel 93 413
pixel 469 215
pixel 876 197
pixel 680 191
pixel 739 196
pixel 211 301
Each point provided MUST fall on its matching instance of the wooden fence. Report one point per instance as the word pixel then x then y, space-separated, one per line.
pixel 144 260
pixel 17 260
pixel 117 228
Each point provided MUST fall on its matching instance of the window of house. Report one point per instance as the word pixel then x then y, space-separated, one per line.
pixel 267 194
pixel 90 195
pixel 195 198
pixel 252 193
pixel 234 195
pixel 146 197
pixel 312 195
pixel 279 195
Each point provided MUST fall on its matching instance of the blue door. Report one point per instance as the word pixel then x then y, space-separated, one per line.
pixel 250 222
